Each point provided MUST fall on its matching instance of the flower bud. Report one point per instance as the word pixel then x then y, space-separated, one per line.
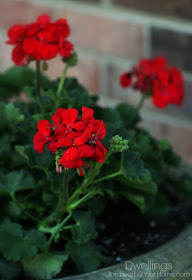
pixel 117 144
pixel 44 66
pixel 71 60
pixel 59 167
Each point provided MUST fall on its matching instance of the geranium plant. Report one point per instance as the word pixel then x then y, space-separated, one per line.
pixel 63 157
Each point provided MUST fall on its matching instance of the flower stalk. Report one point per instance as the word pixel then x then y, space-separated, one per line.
pixel 63 197
pixel 38 78
pixel 141 102
pixel 56 229
pixel 62 81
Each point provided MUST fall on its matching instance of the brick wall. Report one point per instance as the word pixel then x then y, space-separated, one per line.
pixel 112 35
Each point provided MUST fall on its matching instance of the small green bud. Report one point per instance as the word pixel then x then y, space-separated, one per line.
pixel 71 60
pixel 117 144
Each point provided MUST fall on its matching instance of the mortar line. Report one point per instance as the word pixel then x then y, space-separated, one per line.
pixel 119 14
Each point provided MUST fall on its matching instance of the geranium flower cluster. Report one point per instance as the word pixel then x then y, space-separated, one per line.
pixel 40 40
pixel 156 78
pixel 73 139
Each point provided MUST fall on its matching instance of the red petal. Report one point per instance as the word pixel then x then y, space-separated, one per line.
pixel 76 163
pixel 92 128
pixel 65 49
pixel 79 125
pixel 70 154
pixel 83 139
pixel 62 143
pixel 19 57
pixel 85 151
pixel 39 50
pixel 87 113
pixel 81 173
pixel 44 127
pixel 72 135
pixel 57 118
pixel 100 152
pixel 39 142
pixel 125 80
pixel 52 147
pixel 101 130
pixel 15 33
pixel 69 116
pixel 60 132
pixel 43 20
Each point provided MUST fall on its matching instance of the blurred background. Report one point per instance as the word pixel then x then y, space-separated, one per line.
pixel 112 35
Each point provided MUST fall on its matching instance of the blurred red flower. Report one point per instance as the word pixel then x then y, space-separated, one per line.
pixel 40 40
pixel 154 77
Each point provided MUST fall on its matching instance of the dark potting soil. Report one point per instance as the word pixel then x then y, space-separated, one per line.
pixel 125 232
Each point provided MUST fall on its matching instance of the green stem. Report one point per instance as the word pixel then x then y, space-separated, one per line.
pixel 56 229
pixel 141 102
pixel 108 177
pixel 38 78
pixel 89 179
pixel 60 87
pixel 63 197
pixel 80 201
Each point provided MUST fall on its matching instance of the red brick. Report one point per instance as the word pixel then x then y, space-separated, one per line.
pixel 106 35
pixel 179 137
pixel 86 71
pixel 12 12
pixel 174 45
pixel 5 54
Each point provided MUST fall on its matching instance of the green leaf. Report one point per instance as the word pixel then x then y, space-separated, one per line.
pixel 34 159
pixel 49 198
pixel 37 238
pixel 6 141
pixel 14 79
pixel 27 153
pixel 15 209
pixel 16 245
pixel 164 145
pixel 16 181
pixel 9 115
pixel 129 115
pixel 168 153
pixel 136 198
pixel 87 256
pixel 134 173
pixel 96 205
pixel 84 229
pixel 8 270
pixel 45 266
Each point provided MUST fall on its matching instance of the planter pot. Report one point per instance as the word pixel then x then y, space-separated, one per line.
pixel 170 261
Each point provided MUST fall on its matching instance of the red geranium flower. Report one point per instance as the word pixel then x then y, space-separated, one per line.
pixel 75 139
pixel 40 40
pixel 156 78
